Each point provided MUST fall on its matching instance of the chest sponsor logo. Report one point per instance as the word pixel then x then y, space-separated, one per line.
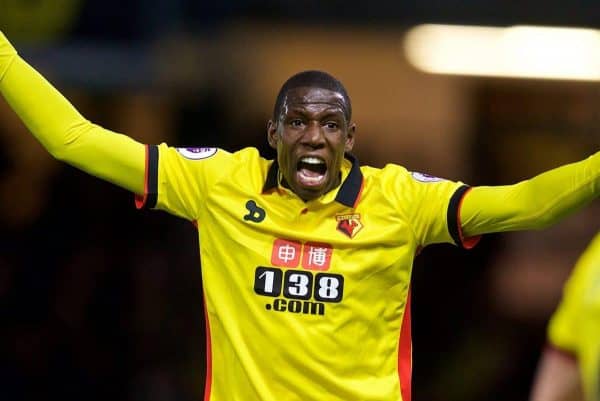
pixel 255 213
pixel 310 255
pixel 304 291
pixel 349 224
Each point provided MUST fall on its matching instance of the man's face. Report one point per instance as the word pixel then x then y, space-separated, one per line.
pixel 311 136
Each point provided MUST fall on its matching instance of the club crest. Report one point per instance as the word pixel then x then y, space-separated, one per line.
pixel 349 224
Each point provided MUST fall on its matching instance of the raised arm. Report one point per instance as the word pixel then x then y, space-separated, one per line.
pixel 63 131
pixel 532 204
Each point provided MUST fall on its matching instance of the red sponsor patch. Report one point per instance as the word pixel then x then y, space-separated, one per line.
pixel 286 253
pixel 316 256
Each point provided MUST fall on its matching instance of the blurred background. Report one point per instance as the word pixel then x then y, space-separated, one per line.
pixel 99 301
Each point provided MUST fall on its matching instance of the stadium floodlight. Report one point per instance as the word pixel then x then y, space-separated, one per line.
pixel 518 51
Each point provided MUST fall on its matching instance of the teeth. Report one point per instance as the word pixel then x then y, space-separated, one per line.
pixel 311 160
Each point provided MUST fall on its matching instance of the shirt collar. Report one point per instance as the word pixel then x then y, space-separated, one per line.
pixel 348 193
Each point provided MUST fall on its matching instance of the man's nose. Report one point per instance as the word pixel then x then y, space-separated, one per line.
pixel 313 135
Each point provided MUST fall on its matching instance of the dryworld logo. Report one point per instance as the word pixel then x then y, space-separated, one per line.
pixel 255 213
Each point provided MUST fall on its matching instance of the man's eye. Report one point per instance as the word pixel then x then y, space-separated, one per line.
pixel 331 125
pixel 296 123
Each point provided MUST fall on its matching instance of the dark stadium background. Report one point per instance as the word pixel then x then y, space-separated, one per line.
pixel 99 301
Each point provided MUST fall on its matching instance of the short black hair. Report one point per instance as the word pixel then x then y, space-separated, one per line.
pixel 312 79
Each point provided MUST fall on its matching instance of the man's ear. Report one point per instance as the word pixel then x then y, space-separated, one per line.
pixel 272 134
pixel 350 137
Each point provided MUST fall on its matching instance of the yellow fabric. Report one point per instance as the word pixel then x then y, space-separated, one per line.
pixel 531 204
pixel 335 350
pixel 575 326
pixel 262 351
pixel 63 131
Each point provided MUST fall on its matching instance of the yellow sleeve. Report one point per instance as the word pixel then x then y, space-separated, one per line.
pixel 432 205
pixel 532 204
pixel 60 128
pixel 180 180
pixel 564 329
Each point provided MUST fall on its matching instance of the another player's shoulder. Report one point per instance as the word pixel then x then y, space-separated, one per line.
pixel 593 248
pixel 583 282
pixel 587 268
pixel 590 257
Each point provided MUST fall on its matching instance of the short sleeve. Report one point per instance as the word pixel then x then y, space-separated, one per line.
pixel 433 205
pixel 178 179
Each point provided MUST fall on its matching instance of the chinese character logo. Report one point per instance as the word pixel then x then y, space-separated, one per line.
pixel 286 253
pixel 349 224
pixel 316 256
pixel 310 255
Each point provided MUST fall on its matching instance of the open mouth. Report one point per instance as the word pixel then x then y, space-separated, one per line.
pixel 311 171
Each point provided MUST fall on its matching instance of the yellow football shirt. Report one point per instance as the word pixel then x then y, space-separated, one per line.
pixel 575 326
pixel 304 300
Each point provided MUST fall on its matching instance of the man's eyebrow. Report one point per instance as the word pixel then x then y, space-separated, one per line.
pixel 337 113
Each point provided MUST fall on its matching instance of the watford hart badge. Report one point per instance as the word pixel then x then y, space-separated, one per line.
pixel 349 224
